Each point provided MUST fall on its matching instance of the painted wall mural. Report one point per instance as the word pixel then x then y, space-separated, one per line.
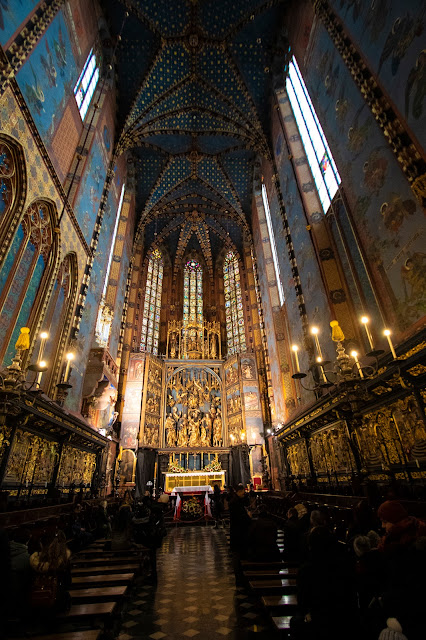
pixel 48 77
pixel 391 35
pixel 389 222
pixel 13 13
pixel 88 199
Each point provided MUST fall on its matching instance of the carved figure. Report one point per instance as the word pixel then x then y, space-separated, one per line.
pixel 194 432
pixel 204 438
pixel 213 348
pixel 207 424
pixel 183 432
pixel 217 430
pixel 173 345
pixel 170 427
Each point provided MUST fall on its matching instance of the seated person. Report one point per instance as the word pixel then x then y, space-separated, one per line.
pixel 20 572
pixel 52 574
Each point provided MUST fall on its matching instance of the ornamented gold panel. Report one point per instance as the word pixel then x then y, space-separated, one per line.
pixel 297 456
pixel 32 459
pixel 331 452
pixel 151 404
pixel 76 466
pixel 193 411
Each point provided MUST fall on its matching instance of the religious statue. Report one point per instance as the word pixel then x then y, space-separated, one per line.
pixel 182 432
pixel 213 348
pixel 217 430
pixel 204 439
pixel 194 431
pixel 170 427
pixel 173 345
pixel 207 425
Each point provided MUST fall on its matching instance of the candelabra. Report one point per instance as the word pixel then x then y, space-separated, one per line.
pixel 349 372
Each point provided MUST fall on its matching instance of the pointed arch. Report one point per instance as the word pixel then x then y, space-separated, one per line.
pixel 58 318
pixel 26 274
pixel 234 314
pixel 152 303
pixel 13 188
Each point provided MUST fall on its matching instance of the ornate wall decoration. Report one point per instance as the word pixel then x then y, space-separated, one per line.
pixel 193 412
pixel 32 459
pixel 330 451
pixel 297 456
pixel 76 466
pixel 151 404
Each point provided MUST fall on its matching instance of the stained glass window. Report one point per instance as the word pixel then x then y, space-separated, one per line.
pixel 152 304
pixel 273 245
pixel 86 84
pixel 192 293
pixel 235 330
pixel 318 152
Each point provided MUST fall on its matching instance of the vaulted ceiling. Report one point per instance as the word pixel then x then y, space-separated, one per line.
pixel 194 80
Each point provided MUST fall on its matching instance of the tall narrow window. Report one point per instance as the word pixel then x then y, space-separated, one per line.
pixel 273 246
pixel 192 293
pixel 235 330
pixel 318 152
pixel 152 304
pixel 105 312
pixel 86 84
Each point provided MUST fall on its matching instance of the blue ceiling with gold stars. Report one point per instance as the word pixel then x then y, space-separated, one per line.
pixel 193 110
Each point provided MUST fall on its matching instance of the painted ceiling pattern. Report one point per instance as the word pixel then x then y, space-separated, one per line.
pixel 193 82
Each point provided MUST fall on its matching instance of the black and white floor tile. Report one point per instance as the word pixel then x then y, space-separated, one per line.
pixel 195 596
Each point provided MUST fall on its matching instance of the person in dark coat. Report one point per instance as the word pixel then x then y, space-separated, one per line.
pixel 262 538
pixel 20 572
pixel 404 550
pixel 4 579
pixel 239 523
pixel 326 591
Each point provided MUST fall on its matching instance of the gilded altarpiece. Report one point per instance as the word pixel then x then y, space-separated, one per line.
pixel 149 432
pixel 193 412
pixel 130 421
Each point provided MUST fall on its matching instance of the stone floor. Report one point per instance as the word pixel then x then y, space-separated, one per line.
pixel 195 596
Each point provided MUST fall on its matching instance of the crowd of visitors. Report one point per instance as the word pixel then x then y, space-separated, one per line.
pixel 35 574
pixel 369 583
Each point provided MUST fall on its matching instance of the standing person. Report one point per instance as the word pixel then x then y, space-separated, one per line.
pixel 262 538
pixel 218 507
pixel 239 523
pixel 20 572
pixel 52 574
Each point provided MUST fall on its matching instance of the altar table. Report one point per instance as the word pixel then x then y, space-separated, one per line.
pixel 191 479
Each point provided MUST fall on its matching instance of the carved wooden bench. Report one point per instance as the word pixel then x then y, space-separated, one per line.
pixel 94 594
pixel 282 585
pixel 280 602
pixel 112 579
pixel 106 568
pixel 98 611
pixel 271 573
pixel 282 623
pixel 92 634
pixel 77 561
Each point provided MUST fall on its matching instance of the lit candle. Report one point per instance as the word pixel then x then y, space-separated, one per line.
pixel 365 321
pixel 387 333
pixel 42 363
pixel 295 349
pixel 324 377
pixel 69 357
pixel 355 357
pixel 43 337
pixel 315 332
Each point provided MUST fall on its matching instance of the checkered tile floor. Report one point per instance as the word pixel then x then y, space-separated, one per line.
pixel 195 596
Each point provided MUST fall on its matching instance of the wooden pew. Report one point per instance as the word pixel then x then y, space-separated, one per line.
pixel 80 571
pixel 283 585
pixel 97 594
pixel 92 634
pixel 271 573
pixel 113 579
pixel 96 611
pixel 282 623
pixel 79 562
pixel 280 604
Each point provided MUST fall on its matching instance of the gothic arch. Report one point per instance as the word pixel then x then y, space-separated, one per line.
pixel 13 189
pixel 26 275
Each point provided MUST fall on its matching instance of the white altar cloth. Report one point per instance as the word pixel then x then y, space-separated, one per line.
pixel 205 489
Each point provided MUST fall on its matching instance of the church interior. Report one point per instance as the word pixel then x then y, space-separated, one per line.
pixel 212 269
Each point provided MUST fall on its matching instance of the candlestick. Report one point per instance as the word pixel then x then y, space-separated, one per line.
pixel 69 357
pixel 355 357
pixel 43 337
pixel 295 349
pixel 324 377
pixel 43 364
pixel 315 332
pixel 365 321
pixel 387 333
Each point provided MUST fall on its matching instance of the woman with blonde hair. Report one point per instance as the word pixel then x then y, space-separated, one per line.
pixel 52 569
